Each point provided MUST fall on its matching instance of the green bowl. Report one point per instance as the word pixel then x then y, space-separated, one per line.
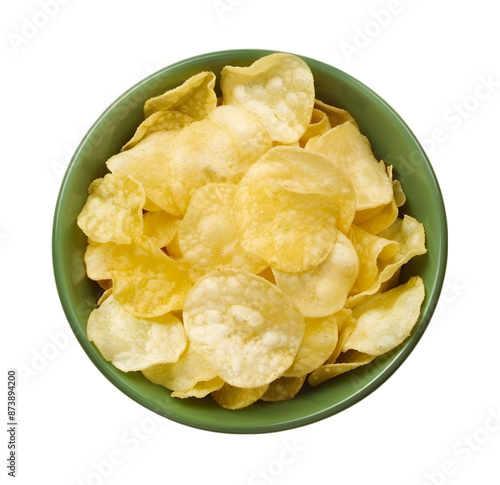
pixel 392 141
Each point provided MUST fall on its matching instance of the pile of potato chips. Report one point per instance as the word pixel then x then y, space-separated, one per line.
pixel 250 242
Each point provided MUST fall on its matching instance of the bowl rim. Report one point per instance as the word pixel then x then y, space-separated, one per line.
pixel 325 412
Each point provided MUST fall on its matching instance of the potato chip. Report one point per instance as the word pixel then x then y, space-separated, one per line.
pixel 208 234
pixel 278 89
pixel 381 220
pixel 328 371
pixel 183 375
pixel 146 162
pixel 345 326
pixel 244 326
pixel 231 397
pixel 195 97
pixel 132 343
pixel 200 389
pixel 161 227
pixel 147 283
pixel 218 149
pixel 410 235
pixel 336 116
pixel 399 195
pixel 159 121
pixel 283 389
pixel 385 320
pixel 150 206
pixel 323 289
pixel 318 125
pixel 113 210
pixel 99 260
pixel 351 151
pixel 320 340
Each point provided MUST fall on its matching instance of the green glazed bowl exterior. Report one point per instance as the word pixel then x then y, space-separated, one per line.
pixel 392 141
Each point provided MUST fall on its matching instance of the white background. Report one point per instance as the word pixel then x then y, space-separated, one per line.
pixel 436 63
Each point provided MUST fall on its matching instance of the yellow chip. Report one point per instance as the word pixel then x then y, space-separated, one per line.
pixel 161 227
pixel 336 116
pixel 231 397
pixel 159 121
pixel 244 326
pixel 283 389
pixel 218 149
pixel 113 210
pixel 278 89
pixel 99 260
pixel 183 375
pixel 147 283
pixel 378 220
pixel 345 326
pixel 318 125
pixel 323 289
pixel 399 195
pixel 195 97
pixel 209 235
pixel 385 320
pixel 132 343
pixel 410 235
pixel 200 389
pixel 351 151
pixel 320 340
pixel 146 162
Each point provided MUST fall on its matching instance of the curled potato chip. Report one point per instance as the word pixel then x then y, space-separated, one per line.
pixel 220 148
pixel 159 121
pixel 146 162
pixel 208 234
pixel 147 283
pixel 278 89
pixel 323 289
pixel 382 219
pixel 132 343
pixel 231 397
pixel 385 320
pixel 99 260
pixel 336 116
pixel 283 389
pixel 328 371
pixel 195 97
pixel 161 227
pixel 113 210
pixel 200 389
pixel 410 235
pixel 184 374
pixel 244 326
pixel 320 340
pixel 318 125
pixel 350 150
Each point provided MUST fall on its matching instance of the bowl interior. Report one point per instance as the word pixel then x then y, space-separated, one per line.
pixel 392 141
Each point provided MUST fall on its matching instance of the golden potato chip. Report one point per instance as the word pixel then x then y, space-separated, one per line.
pixel 209 234
pixel 231 397
pixel 382 219
pixel 195 97
pixel 410 235
pixel 336 116
pixel 318 125
pixel 146 162
pixel 161 227
pixel 200 389
pixel 278 89
pixel 113 210
pixel 350 150
pixel 374 252
pixel 159 121
pixel 218 149
pixel 132 343
pixel 323 289
pixel 99 260
pixel 345 325
pixel 328 371
pixel 385 320
pixel 244 326
pixel 283 389
pixel 320 340
pixel 183 375
pixel 147 283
